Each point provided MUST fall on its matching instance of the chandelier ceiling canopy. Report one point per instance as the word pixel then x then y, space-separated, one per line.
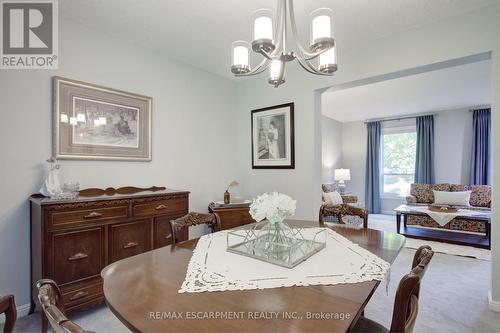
pixel 269 40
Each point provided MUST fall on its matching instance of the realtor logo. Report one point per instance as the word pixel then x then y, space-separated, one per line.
pixel 29 34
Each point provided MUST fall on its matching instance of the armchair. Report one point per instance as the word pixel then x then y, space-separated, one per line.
pixel 338 213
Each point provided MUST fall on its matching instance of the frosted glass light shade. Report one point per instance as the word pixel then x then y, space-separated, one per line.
pixel 102 120
pixel 342 174
pixel 276 67
pixel 328 61
pixel 80 117
pixel 240 54
pixel 72 121
pixel 240 58
pixel 321 24
pixel 274 70
pixel 97 122
pixel 321 30
pixel 263 25
pixel 64 118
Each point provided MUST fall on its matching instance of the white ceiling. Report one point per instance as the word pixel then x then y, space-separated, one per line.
pixel 444 89
pixel 200 32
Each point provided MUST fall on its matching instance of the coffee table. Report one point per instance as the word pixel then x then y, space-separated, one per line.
pixel 444 235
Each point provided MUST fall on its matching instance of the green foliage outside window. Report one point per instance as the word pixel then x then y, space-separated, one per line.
pixel 399 152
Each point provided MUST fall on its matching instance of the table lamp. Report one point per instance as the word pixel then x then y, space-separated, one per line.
pixel 341 175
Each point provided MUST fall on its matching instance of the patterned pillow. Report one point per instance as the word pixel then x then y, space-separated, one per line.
pixel 458 188
pixel 481 195
pixel 423 192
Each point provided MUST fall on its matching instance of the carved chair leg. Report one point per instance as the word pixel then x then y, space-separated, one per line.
pixel 365 222
pixel 10 315
pixel 45 322
pixel 321 221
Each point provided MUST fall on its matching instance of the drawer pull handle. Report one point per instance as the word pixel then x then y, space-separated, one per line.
pixel 130 244
pixel 78 295
pixel 92 215
pixel 160 207
pixel 78 256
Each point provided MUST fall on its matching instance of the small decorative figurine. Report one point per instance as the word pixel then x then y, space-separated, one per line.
pixel 51 186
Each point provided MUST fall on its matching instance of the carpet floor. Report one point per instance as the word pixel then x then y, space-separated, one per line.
pixel 453 296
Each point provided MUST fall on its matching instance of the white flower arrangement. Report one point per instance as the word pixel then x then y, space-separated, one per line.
pixel 273 206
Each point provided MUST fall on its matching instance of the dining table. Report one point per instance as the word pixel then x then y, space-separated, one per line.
pixel 142 291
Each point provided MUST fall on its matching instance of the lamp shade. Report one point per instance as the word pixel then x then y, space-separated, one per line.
pixel 342 174
pixel 263 24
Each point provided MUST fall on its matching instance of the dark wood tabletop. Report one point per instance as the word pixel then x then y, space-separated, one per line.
pixel 142 291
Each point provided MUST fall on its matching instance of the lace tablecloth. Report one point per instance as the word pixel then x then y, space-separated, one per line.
pixel 212 268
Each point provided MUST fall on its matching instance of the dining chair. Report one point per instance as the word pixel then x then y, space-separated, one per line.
pixel 8 307
pixel 50 298
pixel 405 310
pixel 181 225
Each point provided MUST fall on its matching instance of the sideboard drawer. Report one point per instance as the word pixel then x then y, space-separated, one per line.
pixel 80 295
pixel 66 218
pixel 160 207
pixel 129 239
pixel 77 255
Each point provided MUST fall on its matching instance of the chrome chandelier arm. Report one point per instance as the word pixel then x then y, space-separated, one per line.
pixel 262 66
pixel 279 31
pixel 303 52
pixel 310 68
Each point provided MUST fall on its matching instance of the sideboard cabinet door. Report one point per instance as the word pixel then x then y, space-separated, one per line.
pixel 77 255
pixel 129 239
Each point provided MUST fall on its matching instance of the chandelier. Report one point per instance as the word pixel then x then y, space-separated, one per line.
pixel 270 41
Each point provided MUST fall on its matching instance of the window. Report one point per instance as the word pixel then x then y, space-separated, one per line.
pixel 399 151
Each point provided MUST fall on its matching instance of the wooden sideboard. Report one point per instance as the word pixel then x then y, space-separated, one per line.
pixel 231 217
pixel 73 240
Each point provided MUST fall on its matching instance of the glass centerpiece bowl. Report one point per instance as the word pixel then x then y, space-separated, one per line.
pixel 271 239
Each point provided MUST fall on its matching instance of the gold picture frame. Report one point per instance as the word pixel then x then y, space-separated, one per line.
pixel 93 122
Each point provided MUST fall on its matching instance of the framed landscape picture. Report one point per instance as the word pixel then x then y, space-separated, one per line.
pixel 273 145
pixel 99 123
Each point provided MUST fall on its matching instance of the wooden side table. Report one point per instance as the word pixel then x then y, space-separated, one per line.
pixel 231 217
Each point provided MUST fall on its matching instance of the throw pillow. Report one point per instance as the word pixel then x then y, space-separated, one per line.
pixel 327 199
pixel 452 198
pixel 335 198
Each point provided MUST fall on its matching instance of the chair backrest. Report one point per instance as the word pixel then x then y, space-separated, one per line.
pixel 8 307
pixel 181 225
pixel 406 301
pixel 50 298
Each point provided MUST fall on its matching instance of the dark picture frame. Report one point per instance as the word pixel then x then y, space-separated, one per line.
pixel 273 137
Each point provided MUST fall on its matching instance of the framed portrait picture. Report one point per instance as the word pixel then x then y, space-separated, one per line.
pixel 99 123
pixel 273 145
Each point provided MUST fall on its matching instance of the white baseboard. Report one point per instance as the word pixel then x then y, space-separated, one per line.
pixel 494 305
pixel 388 212
pixel 22 310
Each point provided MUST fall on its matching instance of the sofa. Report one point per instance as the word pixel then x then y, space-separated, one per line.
pixel 346 213
pixel 422 194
